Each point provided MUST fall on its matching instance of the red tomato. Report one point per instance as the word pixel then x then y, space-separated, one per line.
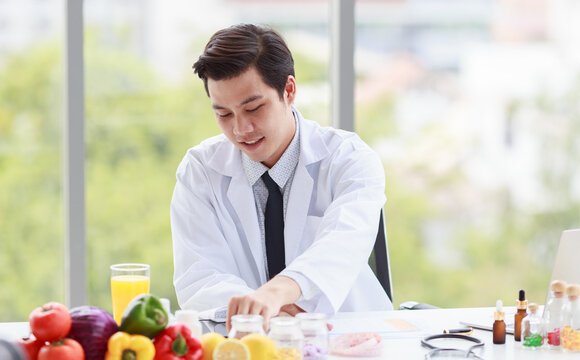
pixel 50 322
pixel 31 346
pixel 65 349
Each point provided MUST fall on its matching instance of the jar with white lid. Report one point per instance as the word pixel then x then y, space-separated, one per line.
pixel 191 319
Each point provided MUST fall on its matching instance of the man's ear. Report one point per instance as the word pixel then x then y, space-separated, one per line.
pixel 290 90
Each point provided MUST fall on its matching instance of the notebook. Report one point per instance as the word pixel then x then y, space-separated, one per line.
pixel 566 267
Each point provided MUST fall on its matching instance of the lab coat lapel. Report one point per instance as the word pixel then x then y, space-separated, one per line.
pixel 312 150
pixel 241 197
pixel 297 211
pixel 227 161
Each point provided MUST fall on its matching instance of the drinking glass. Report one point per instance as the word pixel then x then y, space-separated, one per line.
pixel 127 281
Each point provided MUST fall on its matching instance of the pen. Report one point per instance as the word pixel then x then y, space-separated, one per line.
pixel 464 331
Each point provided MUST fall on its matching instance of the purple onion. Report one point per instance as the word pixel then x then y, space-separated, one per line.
pixel 92 327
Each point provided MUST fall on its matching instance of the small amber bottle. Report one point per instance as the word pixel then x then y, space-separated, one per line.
pixel 522 306
pixel 499 324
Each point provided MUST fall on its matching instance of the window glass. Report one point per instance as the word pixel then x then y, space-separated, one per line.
pixel 31 98
pixel 473 107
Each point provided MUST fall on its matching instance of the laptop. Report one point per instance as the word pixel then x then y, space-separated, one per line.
pixel 566 267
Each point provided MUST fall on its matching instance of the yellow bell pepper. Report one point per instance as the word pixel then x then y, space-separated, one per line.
pixel 123 346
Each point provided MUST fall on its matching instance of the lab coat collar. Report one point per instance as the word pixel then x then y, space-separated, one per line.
pixel 226 159
pixel 312 145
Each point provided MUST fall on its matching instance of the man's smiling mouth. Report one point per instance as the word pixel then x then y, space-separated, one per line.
pixel 252 142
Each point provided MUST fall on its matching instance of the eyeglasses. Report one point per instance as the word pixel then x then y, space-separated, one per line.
pixel 452 345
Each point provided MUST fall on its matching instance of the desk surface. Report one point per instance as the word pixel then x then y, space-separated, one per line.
pixel 406 345
pixel 435 321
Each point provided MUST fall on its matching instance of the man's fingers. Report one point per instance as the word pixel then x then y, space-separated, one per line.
pixel 232 310
pixel 244 306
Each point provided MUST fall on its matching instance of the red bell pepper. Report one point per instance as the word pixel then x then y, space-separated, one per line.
pixel 175 342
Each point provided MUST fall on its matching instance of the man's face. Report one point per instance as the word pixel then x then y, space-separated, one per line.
pixel 252 115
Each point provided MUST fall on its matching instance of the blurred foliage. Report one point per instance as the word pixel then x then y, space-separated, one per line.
pixel 137 130
pixel 492 245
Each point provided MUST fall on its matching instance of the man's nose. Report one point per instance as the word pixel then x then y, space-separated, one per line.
pixel 243 126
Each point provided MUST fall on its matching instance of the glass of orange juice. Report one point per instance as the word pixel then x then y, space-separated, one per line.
pixel 127 281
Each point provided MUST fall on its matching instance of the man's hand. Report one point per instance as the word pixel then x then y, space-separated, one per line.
pixel 290 310
pixel 269 300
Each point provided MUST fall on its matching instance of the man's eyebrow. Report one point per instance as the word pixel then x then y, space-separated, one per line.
pixel 248 100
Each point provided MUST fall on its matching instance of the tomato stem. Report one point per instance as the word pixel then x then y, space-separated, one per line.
pixel 58 342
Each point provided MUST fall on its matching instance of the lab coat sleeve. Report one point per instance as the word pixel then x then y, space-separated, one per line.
pixel 327 270
pixel 205 274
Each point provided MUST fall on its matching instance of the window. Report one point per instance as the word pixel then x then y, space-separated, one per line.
pixel 31 92
pixel 471 105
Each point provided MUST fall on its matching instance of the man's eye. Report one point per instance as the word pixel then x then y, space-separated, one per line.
pixel 254 109
pixel 223 116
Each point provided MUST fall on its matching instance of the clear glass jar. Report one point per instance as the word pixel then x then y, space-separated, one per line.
pixel 243 325
pixel 554 313
pixel 191 319
pixel 570 333
pixel 533 329
pixel 315 331
pixel 286 334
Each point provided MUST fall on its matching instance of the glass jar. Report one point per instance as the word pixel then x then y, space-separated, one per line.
pixel 315 331
pixel 243 325
pixel 191 319
pixel 570 333
pixel 553 313
pixel 286 334
pixel 533 328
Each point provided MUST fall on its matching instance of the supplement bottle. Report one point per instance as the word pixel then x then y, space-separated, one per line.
pixel 553 313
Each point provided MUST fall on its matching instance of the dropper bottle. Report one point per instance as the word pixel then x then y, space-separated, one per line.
pixel 499 324
pixel 522 306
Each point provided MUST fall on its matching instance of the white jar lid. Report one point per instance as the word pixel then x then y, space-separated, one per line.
pixel 186 316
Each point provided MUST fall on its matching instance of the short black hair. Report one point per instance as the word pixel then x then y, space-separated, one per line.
pixel 233 50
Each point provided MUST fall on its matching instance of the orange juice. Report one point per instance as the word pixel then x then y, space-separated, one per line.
pixel 123 289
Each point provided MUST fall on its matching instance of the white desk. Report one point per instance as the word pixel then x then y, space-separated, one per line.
pixel 408 347
pixel 437 320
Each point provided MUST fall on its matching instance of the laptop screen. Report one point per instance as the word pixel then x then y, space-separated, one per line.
pixel 566 265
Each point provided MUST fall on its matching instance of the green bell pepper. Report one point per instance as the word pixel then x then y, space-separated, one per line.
pixel 144 315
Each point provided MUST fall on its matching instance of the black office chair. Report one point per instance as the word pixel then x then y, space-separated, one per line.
pixel 379 259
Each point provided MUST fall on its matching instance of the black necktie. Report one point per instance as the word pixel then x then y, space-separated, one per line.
pixel 274 224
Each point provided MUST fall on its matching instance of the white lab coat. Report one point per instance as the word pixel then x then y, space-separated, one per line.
pixel 330 225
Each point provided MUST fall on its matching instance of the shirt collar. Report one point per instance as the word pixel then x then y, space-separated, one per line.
pixel 284 167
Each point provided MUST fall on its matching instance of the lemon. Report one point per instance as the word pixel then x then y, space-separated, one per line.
pixel 208 343
pixel 231 349
pixel 261 347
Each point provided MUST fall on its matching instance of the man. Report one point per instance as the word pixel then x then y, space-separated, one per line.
pixel 277 215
